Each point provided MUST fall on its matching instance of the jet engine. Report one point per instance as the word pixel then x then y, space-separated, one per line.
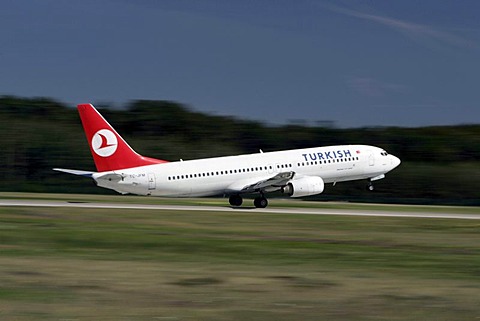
pixel 304 186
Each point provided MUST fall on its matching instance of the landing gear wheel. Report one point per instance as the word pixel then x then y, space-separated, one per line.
pixel 260 202
pixel 235 200
pixel 370 187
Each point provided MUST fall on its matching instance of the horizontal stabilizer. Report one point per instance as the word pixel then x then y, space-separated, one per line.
pixel 108 176
pixel 75 172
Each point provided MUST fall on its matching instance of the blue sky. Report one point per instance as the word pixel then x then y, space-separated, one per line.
pixel 357 63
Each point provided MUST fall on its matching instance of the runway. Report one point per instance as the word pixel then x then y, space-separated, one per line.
pixel 270 210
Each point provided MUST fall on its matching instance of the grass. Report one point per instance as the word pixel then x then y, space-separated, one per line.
pixel 99 264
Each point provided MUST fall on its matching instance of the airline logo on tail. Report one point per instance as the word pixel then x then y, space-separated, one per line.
pixel 110 152
pixel 104 143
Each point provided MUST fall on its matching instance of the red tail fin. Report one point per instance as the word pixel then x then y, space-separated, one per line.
pixel 109 150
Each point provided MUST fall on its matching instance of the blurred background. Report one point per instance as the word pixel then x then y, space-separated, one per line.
pixel 440 164
pixel 183 79
pixel 187 79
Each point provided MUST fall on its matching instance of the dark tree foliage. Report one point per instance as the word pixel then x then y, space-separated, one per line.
pixel 439 164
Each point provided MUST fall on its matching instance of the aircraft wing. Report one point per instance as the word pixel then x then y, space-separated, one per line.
pixel 269 184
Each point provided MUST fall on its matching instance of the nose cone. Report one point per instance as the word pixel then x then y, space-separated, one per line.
pixel 395 161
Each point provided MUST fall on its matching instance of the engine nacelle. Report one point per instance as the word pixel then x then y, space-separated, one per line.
pixel 304 186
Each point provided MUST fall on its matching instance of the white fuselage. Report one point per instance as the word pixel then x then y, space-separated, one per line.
pixel 228 175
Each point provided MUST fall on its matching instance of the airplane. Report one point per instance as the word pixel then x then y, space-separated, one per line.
pixel 294 173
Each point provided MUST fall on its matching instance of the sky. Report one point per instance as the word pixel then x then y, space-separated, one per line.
pixel 356 63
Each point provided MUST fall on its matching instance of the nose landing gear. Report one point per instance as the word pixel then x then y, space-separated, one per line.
pixel 370 186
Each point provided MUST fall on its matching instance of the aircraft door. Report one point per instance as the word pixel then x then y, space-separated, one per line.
pixel 151 181
pixel 371 159
pixel 271 169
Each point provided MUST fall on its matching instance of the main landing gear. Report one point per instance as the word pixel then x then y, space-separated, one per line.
pixel 259 202
pixel 235 200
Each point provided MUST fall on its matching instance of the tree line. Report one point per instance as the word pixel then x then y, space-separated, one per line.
pixel 440 164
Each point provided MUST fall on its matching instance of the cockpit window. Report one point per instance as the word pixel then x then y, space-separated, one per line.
pixel 384 153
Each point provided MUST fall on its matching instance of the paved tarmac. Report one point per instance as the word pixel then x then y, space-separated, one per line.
pixel 297 211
